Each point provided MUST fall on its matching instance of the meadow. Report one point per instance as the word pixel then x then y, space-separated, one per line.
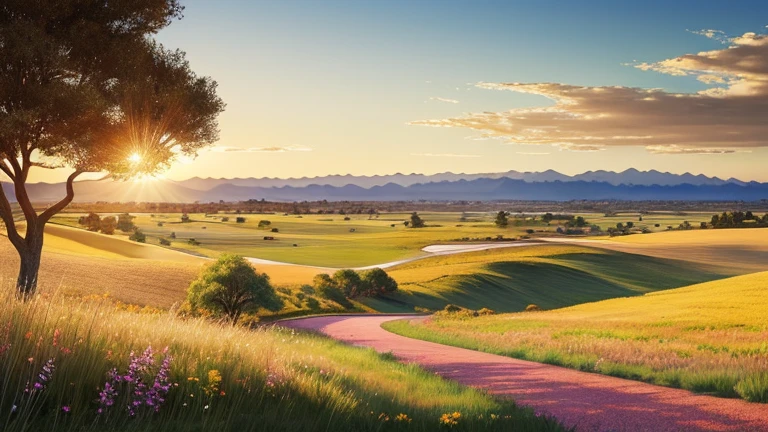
pixel 708 338
pixel 331 241
pixel 82 365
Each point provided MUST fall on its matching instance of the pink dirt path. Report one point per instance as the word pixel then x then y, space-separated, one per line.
pixel 590 402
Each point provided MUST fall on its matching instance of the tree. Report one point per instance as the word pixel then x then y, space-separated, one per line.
pixel 108 225
pixel 547 218
pixel 92 222
pixel 326 288
pixel 630 225
pixel 416 221
pixel 377 281
pixel 230 287
pixel 348 281
pixel 501 219
pixel 125 223
pixel 85 86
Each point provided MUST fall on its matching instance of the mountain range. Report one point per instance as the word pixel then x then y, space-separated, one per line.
pixel 513 185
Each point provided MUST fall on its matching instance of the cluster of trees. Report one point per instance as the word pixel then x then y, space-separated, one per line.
pixel 348 284
pixel 107 225
pixel 738 219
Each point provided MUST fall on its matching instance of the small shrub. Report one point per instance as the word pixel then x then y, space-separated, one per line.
pixel 450 308
pixel 264 223
pixel 193 242
pixel 532 308
pixel 312 303
pixel 165 242
pixel 138 236
pixel 486 311
pixel 240 220
pixel 225 219
pixel 108 225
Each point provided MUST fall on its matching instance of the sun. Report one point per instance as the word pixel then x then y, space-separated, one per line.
pixel 134 158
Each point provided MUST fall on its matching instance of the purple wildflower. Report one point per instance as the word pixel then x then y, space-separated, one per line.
pixel 66 408
pixel 45 375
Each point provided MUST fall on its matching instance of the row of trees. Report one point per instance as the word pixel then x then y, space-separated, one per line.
pixel 231 287
pixel 107 225
pixel 738 219
pixel 352 284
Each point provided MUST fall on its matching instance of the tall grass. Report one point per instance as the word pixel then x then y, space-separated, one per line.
pixel 56 355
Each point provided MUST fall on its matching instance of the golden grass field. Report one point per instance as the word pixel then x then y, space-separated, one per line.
pixel 732 251
pixel 710 337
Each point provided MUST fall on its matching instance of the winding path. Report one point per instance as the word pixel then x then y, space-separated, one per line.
pixel 590 402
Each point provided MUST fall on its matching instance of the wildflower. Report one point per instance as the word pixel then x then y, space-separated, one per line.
pixel 384 417
pixel 450 420
pixel 56 335
pixel 66 408
pixel 214 380
pixel 403 418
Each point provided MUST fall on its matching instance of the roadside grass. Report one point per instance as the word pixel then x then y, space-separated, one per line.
pixel 550 276
pixel 55 355
pixel 708 338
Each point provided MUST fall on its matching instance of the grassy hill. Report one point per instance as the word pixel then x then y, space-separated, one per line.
pixel 550 276
pixel 56 356
pixel 708 337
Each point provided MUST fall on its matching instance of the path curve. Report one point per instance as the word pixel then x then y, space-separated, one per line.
pixel 432 251
pixel 590 402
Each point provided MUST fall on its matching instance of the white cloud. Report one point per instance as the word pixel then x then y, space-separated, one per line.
pixel 439 99
pixel 728 116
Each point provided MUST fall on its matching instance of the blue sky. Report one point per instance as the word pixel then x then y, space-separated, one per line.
pixel 326 87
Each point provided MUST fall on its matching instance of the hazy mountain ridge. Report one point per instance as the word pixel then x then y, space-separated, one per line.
pixel 630 176
pixel 548 185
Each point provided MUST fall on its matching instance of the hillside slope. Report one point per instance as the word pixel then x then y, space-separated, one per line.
pixel 550 276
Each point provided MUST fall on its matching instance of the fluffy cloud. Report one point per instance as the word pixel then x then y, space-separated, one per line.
pixel 729 115
pixel 225 149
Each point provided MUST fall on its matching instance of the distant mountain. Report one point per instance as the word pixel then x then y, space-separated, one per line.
pixel 548 185
pixel 628 177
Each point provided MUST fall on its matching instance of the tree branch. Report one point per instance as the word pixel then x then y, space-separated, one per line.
pixel 6 214
pixel 6 168
pixel 59 206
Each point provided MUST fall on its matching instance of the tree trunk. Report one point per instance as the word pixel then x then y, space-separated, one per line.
pixel 26 283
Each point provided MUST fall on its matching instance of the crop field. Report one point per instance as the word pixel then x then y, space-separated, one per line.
pixel 708 338
pixel 330 241
pixel 214 377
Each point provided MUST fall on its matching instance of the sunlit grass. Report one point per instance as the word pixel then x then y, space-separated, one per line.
pixel 222 378
pixel 708 338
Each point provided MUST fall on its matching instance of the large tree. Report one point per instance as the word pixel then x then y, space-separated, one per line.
pixel 83 85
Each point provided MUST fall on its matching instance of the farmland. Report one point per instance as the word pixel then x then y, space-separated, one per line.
pixel 363 240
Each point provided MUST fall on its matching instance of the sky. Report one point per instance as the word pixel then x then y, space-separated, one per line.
pixel 319 87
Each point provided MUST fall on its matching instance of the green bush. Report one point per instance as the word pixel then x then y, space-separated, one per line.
pixel 754 388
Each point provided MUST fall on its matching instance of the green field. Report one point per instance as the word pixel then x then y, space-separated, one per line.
pixel 330 241
pixel 708 338
pixel 550 276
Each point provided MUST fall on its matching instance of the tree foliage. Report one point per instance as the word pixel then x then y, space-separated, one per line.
pixel 416 221
pixel 230 287
pixel 501 219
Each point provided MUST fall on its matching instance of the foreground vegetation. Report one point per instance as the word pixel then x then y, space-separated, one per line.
pixel 81 365
pixel 708 338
